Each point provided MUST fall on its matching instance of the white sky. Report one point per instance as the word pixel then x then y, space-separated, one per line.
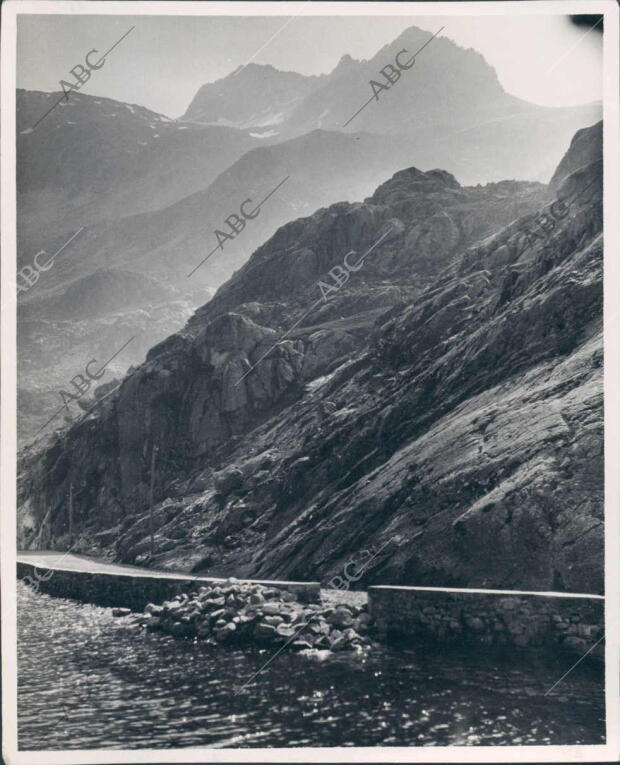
pixel 162 63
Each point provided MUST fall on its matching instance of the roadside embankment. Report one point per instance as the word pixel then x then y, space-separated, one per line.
pixel 572 622
pixel 107 584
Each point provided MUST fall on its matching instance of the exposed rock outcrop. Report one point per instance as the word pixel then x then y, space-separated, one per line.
pixel 444 404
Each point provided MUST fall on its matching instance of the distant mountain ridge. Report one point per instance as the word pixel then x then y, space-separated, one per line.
pixel 146 193
pixel 252 96
pixel 447 91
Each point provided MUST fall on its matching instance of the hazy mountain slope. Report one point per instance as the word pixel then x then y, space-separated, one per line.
pixel 59 333
pixel 250 96
pixel 450 101
pixel 463 431
pixel 95 158
pixel 149 193
pixel 167 245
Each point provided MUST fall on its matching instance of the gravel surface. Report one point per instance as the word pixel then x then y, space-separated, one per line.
pixel 334 597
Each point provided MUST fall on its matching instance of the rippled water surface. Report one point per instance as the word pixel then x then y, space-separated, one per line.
pixel 88 680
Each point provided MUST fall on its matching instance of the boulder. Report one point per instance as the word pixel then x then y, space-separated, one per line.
pixel 350 635
pixel 338 644
pixel 202 481
pixel 203 629
pixel 340 618
pixel 222 634
pixel 273 620
pixel 300 645
pixel 575 644
pixel 264 631
pixel 272 609
pixel 180 630
pixel 228 480
pixel 475 624
pixel 285 630
pixel 212 604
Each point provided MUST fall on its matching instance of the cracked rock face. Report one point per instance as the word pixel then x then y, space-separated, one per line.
pixel 443 407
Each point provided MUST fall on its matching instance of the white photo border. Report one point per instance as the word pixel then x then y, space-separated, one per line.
pixel 608 752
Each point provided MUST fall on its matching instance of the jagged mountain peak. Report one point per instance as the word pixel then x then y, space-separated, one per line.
pixel 253 95
pixel 253 69
pixel 346 63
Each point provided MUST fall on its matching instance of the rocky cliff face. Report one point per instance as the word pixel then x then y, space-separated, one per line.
pixel 420 373
pixel 139 193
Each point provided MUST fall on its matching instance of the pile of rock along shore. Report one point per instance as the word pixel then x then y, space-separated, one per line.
pixel 241 613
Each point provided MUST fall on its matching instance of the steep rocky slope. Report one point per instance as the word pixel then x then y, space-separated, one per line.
pixel 159 244
pixel 443 405
pixel 144 194
pixel 168 244
pixel 90 162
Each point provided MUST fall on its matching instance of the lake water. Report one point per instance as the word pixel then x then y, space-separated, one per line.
pixel 88 680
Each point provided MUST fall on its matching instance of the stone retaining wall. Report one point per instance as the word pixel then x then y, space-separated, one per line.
pixel 569 622
pixel 132 591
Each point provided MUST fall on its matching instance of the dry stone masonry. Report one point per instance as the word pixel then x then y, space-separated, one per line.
pixel 123 587
pixel 570 622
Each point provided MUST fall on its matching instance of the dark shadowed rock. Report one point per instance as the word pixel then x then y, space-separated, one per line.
pixel 448 415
